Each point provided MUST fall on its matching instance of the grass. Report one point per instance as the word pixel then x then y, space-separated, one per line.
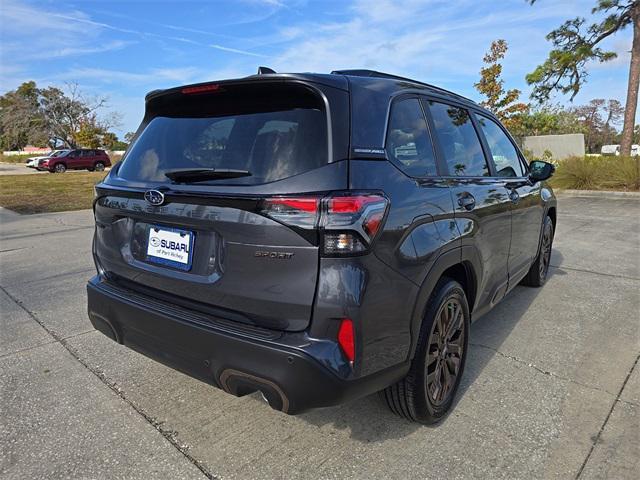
pixel 17 158
pixel 48 193
pixel 74 191
pixel 598 173
pixel 22 158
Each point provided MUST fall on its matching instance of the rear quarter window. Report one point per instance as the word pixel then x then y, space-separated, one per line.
pixel 408 141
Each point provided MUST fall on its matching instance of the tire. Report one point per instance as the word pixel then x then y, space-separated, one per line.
pixel 537 275
pixel 420 396
pixel 99 167
pixel 60 168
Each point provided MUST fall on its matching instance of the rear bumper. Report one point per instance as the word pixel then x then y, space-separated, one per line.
pixel 289 369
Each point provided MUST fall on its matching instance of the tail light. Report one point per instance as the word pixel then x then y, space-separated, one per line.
pixel 352 222
pixel 348 222
pixel 298 212
pixel 346 339
pixel 212 87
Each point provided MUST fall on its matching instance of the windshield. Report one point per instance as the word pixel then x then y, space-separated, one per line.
pixel 60 153
pixel 271 145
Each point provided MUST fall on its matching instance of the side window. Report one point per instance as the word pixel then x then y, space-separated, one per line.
pixel 459 141
pixel 504 154
pixel 408 140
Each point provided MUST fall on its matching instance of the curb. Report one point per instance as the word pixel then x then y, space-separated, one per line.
pixel 597 193
pixel 6 214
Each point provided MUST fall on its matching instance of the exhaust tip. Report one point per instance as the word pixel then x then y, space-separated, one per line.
pixel 239 384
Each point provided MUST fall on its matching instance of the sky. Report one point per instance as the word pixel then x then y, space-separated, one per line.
pixel 123 49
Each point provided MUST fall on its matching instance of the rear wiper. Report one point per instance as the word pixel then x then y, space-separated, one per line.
pixel 188 175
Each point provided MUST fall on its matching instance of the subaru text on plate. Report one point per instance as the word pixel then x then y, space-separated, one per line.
pixel 316 237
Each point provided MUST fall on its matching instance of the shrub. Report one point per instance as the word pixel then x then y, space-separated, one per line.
pixel 622 173
pixel 598 173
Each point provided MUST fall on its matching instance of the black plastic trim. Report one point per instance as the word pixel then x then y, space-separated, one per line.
pixel 206 353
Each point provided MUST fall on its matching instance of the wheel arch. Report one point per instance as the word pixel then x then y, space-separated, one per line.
pixel 551 212
pixel 462 265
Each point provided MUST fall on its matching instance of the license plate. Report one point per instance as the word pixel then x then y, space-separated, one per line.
pixel 171 247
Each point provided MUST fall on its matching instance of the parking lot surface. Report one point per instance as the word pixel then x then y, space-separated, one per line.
pixel 551 388
pixel 17 169
pixel 22 169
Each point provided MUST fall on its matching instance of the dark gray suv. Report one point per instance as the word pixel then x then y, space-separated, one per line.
pixel 316 237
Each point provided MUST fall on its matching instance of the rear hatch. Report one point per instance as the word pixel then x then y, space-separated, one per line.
pixel 193 214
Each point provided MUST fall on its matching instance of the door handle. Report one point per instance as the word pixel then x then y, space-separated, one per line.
pixel 514 196
pixel 467 201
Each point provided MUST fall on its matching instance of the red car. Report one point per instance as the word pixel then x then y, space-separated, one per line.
pixel 80 159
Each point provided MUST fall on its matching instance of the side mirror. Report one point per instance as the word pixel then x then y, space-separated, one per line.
pixel 540 171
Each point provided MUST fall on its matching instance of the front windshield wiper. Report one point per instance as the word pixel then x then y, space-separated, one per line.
pixel 191 175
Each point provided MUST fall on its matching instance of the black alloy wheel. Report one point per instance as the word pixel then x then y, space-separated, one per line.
pixel 539 270
pixel 426 394
pixel 446 349
pixel 545 250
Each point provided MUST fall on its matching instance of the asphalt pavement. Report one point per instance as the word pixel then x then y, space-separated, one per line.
pixel 551 388
pixel 17 169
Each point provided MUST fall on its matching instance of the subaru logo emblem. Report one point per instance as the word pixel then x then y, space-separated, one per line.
pixel 154 197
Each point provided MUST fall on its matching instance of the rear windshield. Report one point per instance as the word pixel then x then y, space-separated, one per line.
pixel 279 139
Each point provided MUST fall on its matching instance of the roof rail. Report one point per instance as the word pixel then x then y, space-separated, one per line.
pixel 374 73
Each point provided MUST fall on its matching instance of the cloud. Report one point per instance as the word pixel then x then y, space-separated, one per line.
pixel 235 50
pixel 19 16
pixel 151 78
pixel 31 36
pixel 622 48
pixel 75 51
pixel 154 77
pixel 437 41
pixel 271 3
pixel 63 34
pixel 389 11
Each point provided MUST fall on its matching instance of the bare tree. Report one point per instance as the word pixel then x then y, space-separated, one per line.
pixel 67 114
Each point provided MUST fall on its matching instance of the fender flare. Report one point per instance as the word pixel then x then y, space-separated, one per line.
pixel 552 203
pixel 469 258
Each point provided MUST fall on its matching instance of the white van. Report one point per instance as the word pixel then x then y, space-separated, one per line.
pixel 609 150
